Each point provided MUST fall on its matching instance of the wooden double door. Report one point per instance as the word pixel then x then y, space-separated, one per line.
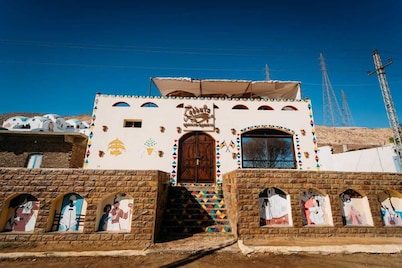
pixel 196 158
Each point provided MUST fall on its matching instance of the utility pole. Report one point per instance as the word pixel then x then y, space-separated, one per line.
pixel 346 111
pixel 331 109
pixel 389 104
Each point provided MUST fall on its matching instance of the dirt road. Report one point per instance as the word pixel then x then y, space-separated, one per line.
pixel 218 260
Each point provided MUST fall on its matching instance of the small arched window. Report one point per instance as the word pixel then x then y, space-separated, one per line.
pixel 265 108
pixel 149 105
pixel 240 107
pixel 121 104
pixel 289 108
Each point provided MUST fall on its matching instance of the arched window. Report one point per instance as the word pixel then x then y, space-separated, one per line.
pixel 268 148
pixel 265 108
pixel 274 207
pixel 121 104
pixel 149 105
pixel 240 107
pixel 289 108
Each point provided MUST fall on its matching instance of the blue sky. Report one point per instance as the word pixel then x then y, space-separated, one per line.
pixel 55 55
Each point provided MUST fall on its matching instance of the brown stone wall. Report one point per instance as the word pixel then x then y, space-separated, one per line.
pixel 242 188
pixel 14 151
pixel 76 159
pixel 148 189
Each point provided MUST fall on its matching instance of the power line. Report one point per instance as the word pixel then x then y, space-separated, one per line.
pixel 129 66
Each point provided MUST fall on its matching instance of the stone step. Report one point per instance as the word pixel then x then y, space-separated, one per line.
pixel 181 203
pixel 196 211
pixel 195 229
pixel 199 218
pixel 195 208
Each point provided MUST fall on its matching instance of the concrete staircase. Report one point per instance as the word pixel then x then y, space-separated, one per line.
pixel 195 208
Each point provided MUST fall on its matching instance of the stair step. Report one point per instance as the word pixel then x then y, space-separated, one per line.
pixel 195 208
pixel 177 203
pixel 201 220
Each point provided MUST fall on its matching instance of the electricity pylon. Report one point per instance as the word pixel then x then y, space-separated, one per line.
pixel 331 110
pixel 346 111
pixel 389 104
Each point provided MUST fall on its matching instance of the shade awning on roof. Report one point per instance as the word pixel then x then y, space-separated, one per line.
pixel 227 88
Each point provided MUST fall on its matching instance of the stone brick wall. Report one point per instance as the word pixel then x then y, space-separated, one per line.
pixel 148 189
pixel 241 190
pixel 56 151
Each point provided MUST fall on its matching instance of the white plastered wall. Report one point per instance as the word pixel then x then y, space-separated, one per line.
pixel 109 120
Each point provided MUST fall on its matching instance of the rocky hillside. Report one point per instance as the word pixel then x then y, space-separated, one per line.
pixel 353 138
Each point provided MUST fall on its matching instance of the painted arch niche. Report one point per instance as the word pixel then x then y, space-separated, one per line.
pixel 68 213
pixel 391 207
pixel 316 208
pixel 355 209
pixel 274 207
pixel 22 213
pixel 115 213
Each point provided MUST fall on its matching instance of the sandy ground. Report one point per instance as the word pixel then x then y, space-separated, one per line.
pixel 215 260
pixel 225 251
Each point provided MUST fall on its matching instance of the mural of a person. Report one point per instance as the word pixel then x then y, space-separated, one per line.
pixel 117 214
pixel 105 218
pixel 23 211
pixel 312 203
pixel 274 207
pixel 352 215
pixel 71 208
pixel 391 208
pixel 314 212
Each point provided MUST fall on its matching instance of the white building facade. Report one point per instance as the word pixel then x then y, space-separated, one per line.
pixel 200 129
pixel 379 159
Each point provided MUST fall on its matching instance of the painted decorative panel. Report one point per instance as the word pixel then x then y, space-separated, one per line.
pixel 71 213
pixel 315 206
pixel 391 207
pixel 355 208
pixel 22 213
pixel 274 207
pixel 117 213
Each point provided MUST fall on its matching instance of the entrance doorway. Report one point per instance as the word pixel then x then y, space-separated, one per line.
pixel 196 158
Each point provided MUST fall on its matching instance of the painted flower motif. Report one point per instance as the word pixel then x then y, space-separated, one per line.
pixel 150 142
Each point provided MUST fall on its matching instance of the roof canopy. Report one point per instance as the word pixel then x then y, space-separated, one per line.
pixel 227 88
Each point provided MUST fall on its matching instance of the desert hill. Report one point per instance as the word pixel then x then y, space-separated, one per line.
pixel 349 138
